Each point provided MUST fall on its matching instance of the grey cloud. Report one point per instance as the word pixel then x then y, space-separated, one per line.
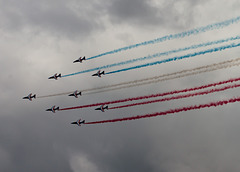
pixel 56 17
pixel 138 11
pixel 30 149
pixel 146 14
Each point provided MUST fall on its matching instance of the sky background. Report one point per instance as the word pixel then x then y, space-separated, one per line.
pixel 40 38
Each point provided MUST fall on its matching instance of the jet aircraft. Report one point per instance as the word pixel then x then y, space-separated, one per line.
pixel 102 108
pixel 55 76
pixel 79 122
pixel 30 97
pixel 53 109
pixel 80 59
pixel 99 73
pixel 76 93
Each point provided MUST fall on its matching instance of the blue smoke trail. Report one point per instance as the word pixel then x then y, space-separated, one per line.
pixel 177 58
pixel 156 55
pixel 173 36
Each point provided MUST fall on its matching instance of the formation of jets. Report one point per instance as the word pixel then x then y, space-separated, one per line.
pixel 75 94
pixel 102 108
pixel 30 97
pixel 99 73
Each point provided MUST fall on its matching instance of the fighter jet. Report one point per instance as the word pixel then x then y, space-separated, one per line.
pixel 55 76
pixel 80 59
pixel 76 93
pixel 102 108
pixel 53 109
pixel 99 73
pixel 79 122
pixel 30 97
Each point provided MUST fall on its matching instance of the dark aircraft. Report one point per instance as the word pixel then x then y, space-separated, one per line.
pixel 101 108
pixel 53 109
pixel 76 93
pixel 79 122
pixel 30 97
pixel 55 76
pixel 80 59
pixel 99 73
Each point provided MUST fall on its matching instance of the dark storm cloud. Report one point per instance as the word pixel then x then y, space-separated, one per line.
pixel 57 17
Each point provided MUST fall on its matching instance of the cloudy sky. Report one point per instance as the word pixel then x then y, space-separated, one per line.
pixel 40 38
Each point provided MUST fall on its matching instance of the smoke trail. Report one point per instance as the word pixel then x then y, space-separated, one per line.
pixel 179 96
pixel 52 95
pixel 156 55
pixel 194 72
pixel 176 58
pixel 156 95
pixel 171 111
pixel 174 36
pixel 162 76
pixel 155 79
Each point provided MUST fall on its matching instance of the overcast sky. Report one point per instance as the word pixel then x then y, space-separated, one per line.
pixel 40 38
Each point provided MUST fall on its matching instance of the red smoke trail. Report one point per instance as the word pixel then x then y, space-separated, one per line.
pixel 155 95
pixel 179 96
pixel 171 111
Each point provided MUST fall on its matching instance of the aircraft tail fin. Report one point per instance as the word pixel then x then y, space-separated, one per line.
pixel 83 121
pixel 34 96
pixel 57 108
pixel 107 107
pixel 60 75
pixel 80 93
pixel 84 58
pixel 103 72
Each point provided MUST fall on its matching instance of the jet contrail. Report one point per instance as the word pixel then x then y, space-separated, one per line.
pixel 173 36
pixel 156 55
pixel 155 79
pixel 177 58
pixel 155 95
pixel 178 97
pixel 171 111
